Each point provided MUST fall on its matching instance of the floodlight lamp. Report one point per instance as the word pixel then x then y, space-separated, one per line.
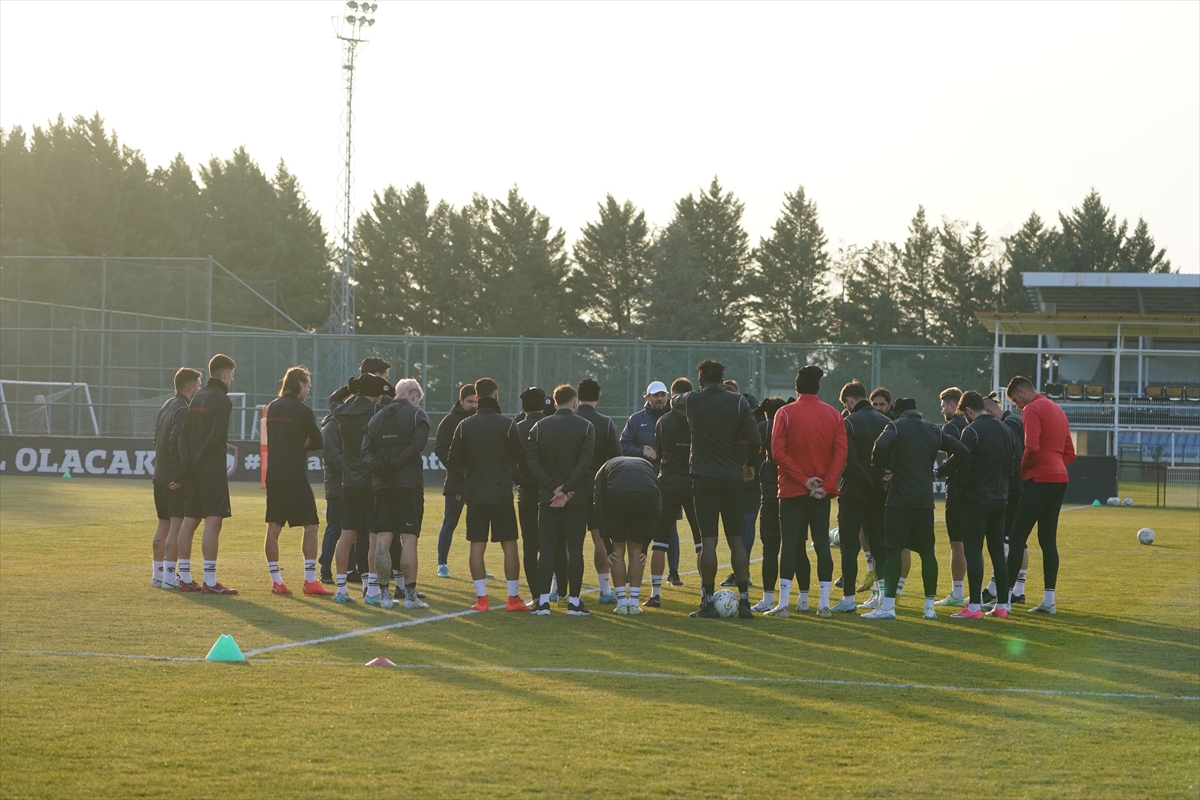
pixel 370 22
pixel 350 19
pixel 353 6
pixel 362 20
pixel 373 7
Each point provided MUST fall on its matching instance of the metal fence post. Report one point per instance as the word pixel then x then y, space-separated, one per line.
pixel 73 361
pixel 876 364
pixel 103 324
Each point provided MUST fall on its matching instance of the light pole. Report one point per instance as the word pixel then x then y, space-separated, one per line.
pixel 348 29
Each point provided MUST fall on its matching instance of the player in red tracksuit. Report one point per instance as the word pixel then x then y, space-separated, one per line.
pixel 808 442
pixel 1048 451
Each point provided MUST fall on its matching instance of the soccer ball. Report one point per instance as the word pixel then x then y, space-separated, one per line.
pixel 835 537
pixel 1114 501
pixel 1146 536
pixel 726 603
pixel 1129 501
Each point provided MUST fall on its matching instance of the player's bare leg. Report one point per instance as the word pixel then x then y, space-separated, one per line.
pixel 341 558
pixel 158 546
pixel 171 553
pixel 512 576
pixel 619 577
pixel 603 568
pixel 408 568
pixel 271 550
pixel 187 532
pixel 208 547
pixel 379 562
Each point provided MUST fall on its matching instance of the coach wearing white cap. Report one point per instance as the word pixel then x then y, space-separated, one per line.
pixel 637 440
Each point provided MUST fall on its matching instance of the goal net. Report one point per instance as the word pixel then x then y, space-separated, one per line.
pixel 241 422
pixel 47 408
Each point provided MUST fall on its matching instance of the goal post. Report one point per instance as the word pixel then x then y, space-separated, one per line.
pixel 54 408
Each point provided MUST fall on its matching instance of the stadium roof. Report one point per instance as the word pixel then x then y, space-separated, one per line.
pixel 1119 293
pixel 1170 326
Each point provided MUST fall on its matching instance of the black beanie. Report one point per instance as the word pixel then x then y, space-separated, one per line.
pixel 532 399
pixel 808 379
pixel 903 404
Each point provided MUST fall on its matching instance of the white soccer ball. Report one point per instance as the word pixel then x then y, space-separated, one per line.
pixel 726 603
pixel 1146 536
pixel 1129 501
pixel 1114 501
pixel 835 537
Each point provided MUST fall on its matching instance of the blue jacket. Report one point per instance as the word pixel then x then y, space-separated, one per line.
pixel 639 432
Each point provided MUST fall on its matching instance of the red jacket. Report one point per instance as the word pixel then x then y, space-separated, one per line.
pixel 1048 445
pixel 808 439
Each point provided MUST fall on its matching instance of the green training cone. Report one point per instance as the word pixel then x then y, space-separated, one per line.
pixel 226 649
pixel 1095 502
pixel 67 474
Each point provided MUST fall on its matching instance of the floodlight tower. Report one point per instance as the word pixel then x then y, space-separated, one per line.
pixel 349 31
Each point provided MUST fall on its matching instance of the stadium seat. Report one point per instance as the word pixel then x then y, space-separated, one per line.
pixel 1174 393
pixel 1093 391
pixel 1192 393
pixel 1154 393
pixel 1073 391
pixel 1053 390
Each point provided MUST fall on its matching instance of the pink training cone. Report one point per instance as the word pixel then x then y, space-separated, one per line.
pixel 380 662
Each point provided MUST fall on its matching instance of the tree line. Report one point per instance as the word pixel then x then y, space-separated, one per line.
pixel 497 266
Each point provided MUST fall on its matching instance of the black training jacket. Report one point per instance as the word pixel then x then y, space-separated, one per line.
pixel 331 456
pixel 724 433
pixel 860 480
pixel 908 447
pixel 625 474
pixel 955 427
pixel 455 478
pixel 608 441
pixel 352 417
pixel 1017 429
pixel 167 430
pixel 205 433
pixel 559 453
pixel 673 441
pixel 527 485
pixel 392 446
pixel 639 431
pixel 984 473
pixel 290 424
pixel 768 473
pixel 488 447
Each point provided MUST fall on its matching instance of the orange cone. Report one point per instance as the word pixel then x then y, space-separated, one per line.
pixel 380 662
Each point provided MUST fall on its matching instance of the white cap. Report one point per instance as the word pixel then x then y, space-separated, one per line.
pixel 656 387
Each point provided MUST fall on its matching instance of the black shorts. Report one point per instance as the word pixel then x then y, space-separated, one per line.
pixel 168 502
pixel 676 501
pixel 593 517
pixel 358 510
pixel 500 518
pixel 908 528
pixel 291 503
pixel 207 497
pixel 953 525
pixel 399 510
pixel 631 517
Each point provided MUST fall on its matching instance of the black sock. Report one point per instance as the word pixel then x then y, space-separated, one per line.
pixel 708 592
pixel 744 590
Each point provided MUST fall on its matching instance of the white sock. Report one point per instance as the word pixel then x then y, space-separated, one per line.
pixel 785 591
pixel 991 587
pixel 514 588
pixel 544 599
pixel 210 572
pixel 824 594
pixel 870 561
pixel 480 588
pixel 574 600
pixel 169 571
pixel 1019 586
pixel 656 585
pixel 185 570
pixel 973 607
pixel 554 585
pixel 273 568
pixel 929 603
pixel 158 569
pixel 341 583
pixel 957 590
pixel 889 604
pixel 768 597
pixel 900 586
pixel 635 595
pixel 851 598
pixel 604 582
pixel 310 570
pixel 803 601
pixel 1048 597
pixel 625 591
pixel 398 579
pixel 372 585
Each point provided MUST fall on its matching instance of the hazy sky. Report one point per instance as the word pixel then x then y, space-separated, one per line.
pixel 980 111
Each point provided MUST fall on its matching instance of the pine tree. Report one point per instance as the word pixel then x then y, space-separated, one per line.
pixel 676 308
pixel 613 260
pixel 870 309
pixel 967 278
pixel 1091 239
pixel 793 299
pixel 1030 249
pixel 1138 253
pixel 918 285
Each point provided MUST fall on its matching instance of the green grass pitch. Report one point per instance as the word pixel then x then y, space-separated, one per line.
pixel 1102 700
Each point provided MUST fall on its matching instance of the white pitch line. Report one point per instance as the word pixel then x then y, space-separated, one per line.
pixel 351 634
pixel 613 673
